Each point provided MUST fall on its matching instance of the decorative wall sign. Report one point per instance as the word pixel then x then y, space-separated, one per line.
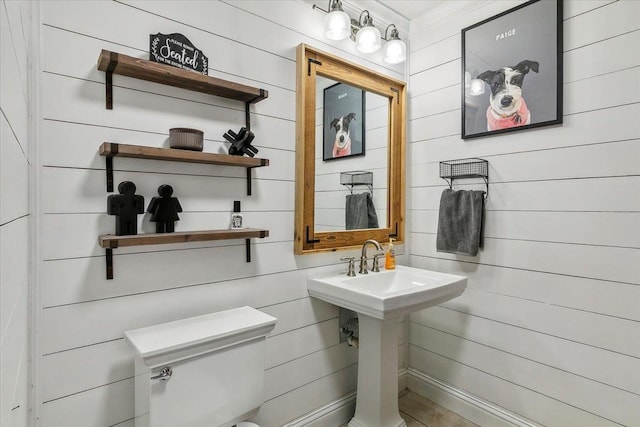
pixel 176 50
pixel 506 59
pixel 343 121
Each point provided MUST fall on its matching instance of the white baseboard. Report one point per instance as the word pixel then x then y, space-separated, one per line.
pixel 403 377
pixel 474 409
pixel 339 411
pixel 332 414
pixel 462 403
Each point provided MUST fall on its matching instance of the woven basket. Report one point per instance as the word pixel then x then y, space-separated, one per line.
pixel 186 139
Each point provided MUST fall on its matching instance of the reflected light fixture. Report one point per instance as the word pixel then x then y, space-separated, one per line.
pixel 337 24
pixel 368 37
pixel 395 51
pixel 476 87
pixel 472 83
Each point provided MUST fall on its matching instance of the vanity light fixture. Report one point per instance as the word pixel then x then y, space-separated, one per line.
pixel 368 37
pixel 395 50
pixel 338 26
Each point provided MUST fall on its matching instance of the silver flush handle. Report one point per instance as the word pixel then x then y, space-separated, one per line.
pixel 164 374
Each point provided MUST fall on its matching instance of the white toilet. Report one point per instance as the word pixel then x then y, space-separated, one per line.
pixel 205 371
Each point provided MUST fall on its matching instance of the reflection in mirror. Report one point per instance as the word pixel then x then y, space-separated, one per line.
pixel 332 95
pixel 351 157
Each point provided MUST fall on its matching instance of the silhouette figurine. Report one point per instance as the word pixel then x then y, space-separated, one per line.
pixel 164 210
pixel 126 206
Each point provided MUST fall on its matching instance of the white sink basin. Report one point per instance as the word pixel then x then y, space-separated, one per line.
pixel 389 293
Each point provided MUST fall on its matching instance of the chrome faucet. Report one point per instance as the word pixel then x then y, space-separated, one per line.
pixel 363 258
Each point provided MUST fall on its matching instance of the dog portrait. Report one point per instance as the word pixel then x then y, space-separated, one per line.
pixel 342 142
pixel 343 122
pixel 512 70
pixel 507 107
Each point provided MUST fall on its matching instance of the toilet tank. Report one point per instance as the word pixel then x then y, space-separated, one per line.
pixel 201 371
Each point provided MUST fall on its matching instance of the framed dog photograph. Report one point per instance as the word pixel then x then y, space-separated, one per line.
pixel 512 70
pixel 343 122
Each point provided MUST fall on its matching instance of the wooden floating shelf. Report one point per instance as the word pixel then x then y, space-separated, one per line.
pixel 118 63
pixel 112 149
pixel 110 241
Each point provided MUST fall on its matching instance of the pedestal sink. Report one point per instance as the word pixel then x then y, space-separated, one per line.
pixel 380 299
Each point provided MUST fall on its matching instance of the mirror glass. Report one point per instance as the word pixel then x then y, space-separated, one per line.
pixel 351 157
pixel 350 154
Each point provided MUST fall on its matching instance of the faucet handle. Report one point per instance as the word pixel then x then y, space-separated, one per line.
pixel 352 268
pixel 375 268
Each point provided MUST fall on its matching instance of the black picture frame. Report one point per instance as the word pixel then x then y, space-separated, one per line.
pixel 526 39
pixel 343 103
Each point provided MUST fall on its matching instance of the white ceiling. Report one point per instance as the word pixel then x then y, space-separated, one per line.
pixel 411 9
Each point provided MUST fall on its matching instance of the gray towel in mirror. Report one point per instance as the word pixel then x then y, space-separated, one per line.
pixel 360 212
pixel 460 222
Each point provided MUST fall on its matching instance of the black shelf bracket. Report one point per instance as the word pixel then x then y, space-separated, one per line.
pixel 109 259
pixel 263 162
pixel 109 167
pixel 109 254
pixel 249 181
pixel 109 90
pixel 113 61
pixel 247 116
pixel 109 170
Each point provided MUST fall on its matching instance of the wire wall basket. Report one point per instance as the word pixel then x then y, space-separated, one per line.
pixel 357 178
pixel 465 168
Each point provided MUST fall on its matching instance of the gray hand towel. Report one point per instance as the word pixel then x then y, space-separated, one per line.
pixel 360 212
pixel 460 222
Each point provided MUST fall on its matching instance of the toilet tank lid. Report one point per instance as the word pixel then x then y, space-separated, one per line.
pixel 197 335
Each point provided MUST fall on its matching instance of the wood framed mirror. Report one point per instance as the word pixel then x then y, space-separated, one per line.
pixel 350 154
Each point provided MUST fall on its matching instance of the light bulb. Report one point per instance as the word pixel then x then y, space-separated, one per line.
pixel 395 51
pixel 368 39
pixel 477 87
pixel 337 25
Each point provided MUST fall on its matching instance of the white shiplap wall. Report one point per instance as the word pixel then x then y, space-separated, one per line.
pixel 87 369
pixel 549 326
pixel 15 218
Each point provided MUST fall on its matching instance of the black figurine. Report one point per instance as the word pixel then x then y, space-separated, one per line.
pixel 164 210
pixel 126 206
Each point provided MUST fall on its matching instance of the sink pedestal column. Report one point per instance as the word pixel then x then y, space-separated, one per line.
pixel 377 398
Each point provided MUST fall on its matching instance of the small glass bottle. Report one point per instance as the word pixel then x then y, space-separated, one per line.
pixel 236 216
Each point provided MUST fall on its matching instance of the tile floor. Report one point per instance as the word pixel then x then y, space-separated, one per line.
pixel 420 412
